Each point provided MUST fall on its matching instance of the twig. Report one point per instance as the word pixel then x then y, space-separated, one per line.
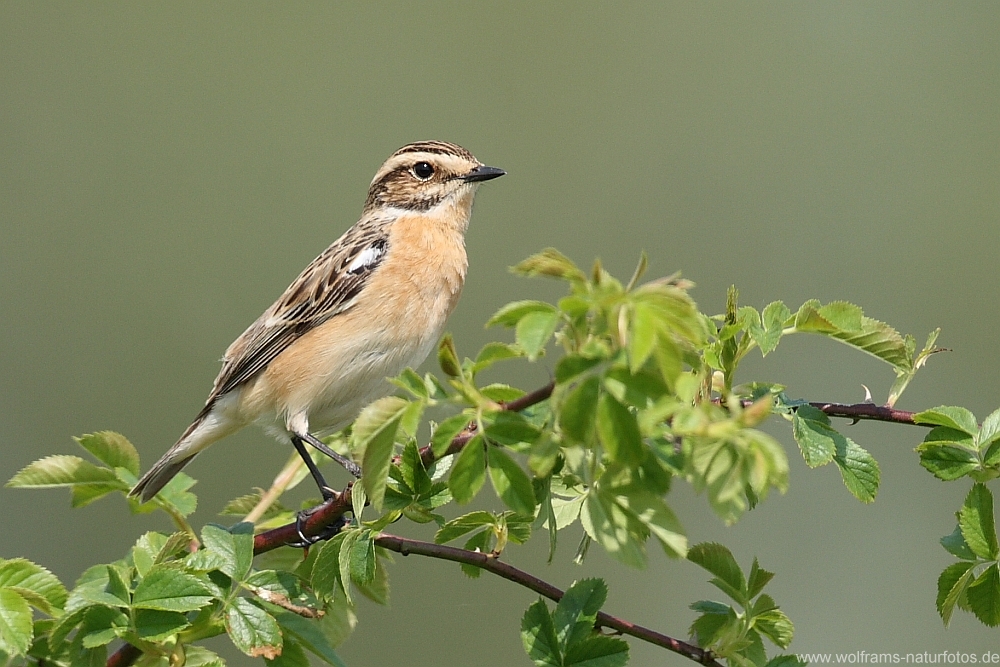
pixel 491 564
pixel 334 509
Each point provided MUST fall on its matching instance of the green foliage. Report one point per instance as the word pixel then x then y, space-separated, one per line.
pixel 737 633
pixel 567 636
pixel 645 396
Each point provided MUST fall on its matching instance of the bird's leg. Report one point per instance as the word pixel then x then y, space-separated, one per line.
pixel 317 476
pixel 349 465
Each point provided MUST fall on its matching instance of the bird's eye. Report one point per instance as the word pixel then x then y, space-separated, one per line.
pixel 423 170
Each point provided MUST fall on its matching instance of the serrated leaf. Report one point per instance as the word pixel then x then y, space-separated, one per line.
pixel 154 625
pixel 619 432
pixel 858 469
pixel 412 467
pixel 773 319
pixel 579 605
pixel 60 470
pixel 577 416
pixel 983 596
pixel 879 340
pixel 510 314
pixel 363 560
pixel 21 573
pixel 550 262
pixel 989 432
pixel 375 433
pixel 168 588
pixel 776 626
pixel 320 638
pixel 976 522
pixel 814 436
pixel 952 584
pixel 597 651
pixel 292 655
pixel 956 546
pixel 510 482
pixel 608 525
pixel 448 357
pixel 176 495
pixel 409 381
pixel 16 628
pixel 112 449
pixel 235 546
pixel 469 471
pixel 479 543
pixel 493 352
pixel 947 462
pixel 539 637
pixel 462 525
pixel 446 432
pixel 534 330
pixel 718 560
pixel 253 630
pixel 759 577
pixel 511 428
pixel 957 418
pixel 324 574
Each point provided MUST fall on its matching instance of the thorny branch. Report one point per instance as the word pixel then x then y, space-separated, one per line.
pixel 334 509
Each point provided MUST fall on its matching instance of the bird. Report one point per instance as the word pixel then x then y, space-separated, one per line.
pixel 371 304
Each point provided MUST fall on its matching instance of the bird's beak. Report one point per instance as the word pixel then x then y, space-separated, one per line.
pixel 483 173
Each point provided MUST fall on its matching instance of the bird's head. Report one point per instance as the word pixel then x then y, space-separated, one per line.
pixel 422 176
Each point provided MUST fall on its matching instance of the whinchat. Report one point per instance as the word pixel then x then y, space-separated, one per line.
pixel 370 305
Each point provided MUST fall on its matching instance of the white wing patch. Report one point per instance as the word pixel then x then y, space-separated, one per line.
pixel 367 258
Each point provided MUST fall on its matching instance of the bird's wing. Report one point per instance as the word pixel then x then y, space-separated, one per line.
pixel 326 288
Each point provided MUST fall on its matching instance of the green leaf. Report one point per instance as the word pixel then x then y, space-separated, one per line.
pixel 990 431
pixel 816 439
pixel 539 637
pixel 759 577
pixel 60 470
pixel 234 545
pixel 501 393
pixel 598 651
pixel 534 330
pixel 609 525
pixel 292 655
pixel 409 381
pixel 956 546
pixel 947 462
pixel 552 263
pixel 983 596
pixel 493 352
pixel 573 365
pixel 42 588
pixel 858 469
pixel 462 525
pixel 576 419
pixel 325 572
pixel 241 506
pixel 511 428
pixel 112 449
pixel 363 560
pixel 952 585
pixel 976 521
pixel 412 467
pixel 619 432
pixel 168 588
pixel 375 432
pixel 510 482
pixel 197 656
pixel 718 560
pixel 879 340
pixel 480 542
pixel 446 432
pixel 578 606
pixel 643 335
pixel 956 418
pixel 253 630
pixel 16 628
pixel 156 626
pixel 513 312
pixel 773 319
pixel 315 637
pixel 448 357
pixel 469 471
pixel 175 494
pixel 776 626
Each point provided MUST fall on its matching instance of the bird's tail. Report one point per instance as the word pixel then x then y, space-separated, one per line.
pixel 203 431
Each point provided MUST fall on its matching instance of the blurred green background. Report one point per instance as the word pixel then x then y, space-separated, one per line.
pixel 168 168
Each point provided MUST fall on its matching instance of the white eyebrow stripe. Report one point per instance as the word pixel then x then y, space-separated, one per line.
pixel 366 258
